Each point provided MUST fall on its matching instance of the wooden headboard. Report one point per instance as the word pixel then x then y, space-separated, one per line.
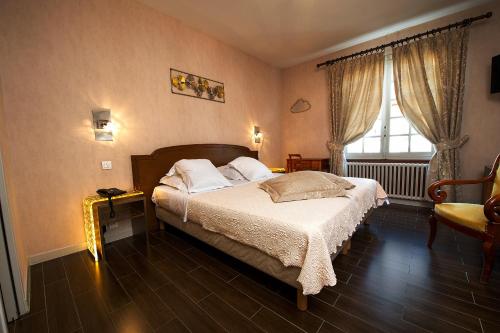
pixel 148 169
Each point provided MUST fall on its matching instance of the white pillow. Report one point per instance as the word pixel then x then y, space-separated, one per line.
pixel 171 172
pixel 174 181
pixel 250 168
pixel 230 173
pixel 200 175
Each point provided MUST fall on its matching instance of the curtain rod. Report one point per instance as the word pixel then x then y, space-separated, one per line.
pixel 462 23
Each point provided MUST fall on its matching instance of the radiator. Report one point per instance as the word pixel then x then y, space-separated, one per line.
pixel 399 180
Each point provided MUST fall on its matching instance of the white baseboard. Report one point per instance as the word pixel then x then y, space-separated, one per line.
pixel 53 254
pixel 61 252
pixel 414 203
pixel 123 231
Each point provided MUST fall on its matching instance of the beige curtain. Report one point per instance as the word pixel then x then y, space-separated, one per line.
pixel 429 81
pixel 355 97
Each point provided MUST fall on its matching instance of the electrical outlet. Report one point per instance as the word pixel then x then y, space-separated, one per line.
pixel 106 165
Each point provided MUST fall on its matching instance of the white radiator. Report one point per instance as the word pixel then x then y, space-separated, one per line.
pixel 399 180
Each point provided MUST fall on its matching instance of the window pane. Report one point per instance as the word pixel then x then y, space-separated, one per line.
pixel 402 137
pixel 355 147
pixel 398 144
pixel 371 145
pixel 419 144
pixel 399 126
pixel 393 91
pixel 375 131
pixel 395 111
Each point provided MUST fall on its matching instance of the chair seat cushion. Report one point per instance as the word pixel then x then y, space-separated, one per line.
pixel 468 215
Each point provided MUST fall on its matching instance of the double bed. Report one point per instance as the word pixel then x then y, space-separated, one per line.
pixel 294 242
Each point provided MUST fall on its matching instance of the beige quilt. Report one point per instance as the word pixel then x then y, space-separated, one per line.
pixel 299 233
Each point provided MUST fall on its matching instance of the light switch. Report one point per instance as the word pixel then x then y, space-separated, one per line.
pixel 106 165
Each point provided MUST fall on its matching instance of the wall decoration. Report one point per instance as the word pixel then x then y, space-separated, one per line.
pixel 301 105
pixel 187 84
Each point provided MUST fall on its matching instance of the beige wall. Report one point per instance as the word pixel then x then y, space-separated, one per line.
pixel 61 59
pixel 307 132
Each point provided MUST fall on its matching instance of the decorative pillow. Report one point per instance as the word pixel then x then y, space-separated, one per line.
pixel 302 185
pixel 174 181
pixel 200 175
pixel 230 173
pixel 250 168
pixel 347 185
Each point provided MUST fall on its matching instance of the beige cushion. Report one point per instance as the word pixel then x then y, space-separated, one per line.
pixel 304 185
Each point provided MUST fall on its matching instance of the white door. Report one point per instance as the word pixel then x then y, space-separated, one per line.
pixel 12 294
pixel 8 294
pixel 3 320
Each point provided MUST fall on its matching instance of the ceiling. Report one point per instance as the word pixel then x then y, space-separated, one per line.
pixel 287 32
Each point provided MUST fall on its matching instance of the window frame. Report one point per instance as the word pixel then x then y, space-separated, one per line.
pixel 385 111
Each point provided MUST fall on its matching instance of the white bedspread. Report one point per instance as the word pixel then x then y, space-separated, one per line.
pixel 299 233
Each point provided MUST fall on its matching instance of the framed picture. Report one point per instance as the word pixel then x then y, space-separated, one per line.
pixel 187 84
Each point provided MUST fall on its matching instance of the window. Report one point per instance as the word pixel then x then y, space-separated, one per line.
pixel 391 136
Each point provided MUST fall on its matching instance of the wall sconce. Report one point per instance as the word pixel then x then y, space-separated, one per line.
pixel 103 126
pixel 257 134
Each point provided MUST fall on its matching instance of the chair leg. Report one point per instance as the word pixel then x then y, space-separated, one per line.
pixel 432 233
pixel 489 258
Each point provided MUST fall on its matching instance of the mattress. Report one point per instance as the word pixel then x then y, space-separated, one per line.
pixel 300 234
pixel 176 201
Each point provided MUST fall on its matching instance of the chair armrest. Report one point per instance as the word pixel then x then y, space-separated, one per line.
pixel 492 209
pixel 438 196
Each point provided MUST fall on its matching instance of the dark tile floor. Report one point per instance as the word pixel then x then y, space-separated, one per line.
pixel 389 282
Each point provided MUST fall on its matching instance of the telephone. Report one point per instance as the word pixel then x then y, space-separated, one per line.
pixel 109 193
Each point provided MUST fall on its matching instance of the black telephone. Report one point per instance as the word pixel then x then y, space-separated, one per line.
pixel 109 193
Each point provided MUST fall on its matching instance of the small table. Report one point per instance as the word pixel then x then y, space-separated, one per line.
pixel 295 162
pixel 96 216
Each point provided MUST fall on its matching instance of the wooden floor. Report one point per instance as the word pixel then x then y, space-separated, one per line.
pixel 389 282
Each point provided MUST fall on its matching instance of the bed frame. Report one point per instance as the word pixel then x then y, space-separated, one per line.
pixel 148 169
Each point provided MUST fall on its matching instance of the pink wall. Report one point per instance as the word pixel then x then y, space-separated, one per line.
pixel 308 132
pixel 61 59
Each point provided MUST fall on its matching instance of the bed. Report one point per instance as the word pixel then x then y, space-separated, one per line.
pixel 268 236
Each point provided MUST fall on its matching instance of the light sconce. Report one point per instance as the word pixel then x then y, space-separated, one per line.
pixel 103 126
pixel 257 134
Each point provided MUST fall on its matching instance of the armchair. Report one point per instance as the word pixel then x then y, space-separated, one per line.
pixel 479 221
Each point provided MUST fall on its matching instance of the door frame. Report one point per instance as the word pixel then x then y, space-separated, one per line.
pixel 10 243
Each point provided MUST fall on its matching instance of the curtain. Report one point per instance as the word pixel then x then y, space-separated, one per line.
pixel 356 87
pixel 429 82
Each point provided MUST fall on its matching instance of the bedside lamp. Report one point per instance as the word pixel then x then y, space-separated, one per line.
pixel 103 126
pixel 257 134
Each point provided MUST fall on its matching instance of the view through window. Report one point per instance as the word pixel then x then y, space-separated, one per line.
pixel 391 136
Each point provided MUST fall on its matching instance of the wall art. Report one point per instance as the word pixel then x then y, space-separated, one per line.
pixel 301 105
pixel 187 84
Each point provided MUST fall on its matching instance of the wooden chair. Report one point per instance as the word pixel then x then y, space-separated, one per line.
pixel 295 163
pixel 479 221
